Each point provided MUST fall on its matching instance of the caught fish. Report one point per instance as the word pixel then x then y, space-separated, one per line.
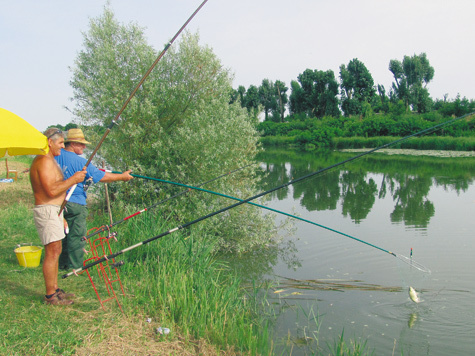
pixel 413 295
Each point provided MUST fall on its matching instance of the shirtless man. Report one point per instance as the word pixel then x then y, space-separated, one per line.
pixel 49 189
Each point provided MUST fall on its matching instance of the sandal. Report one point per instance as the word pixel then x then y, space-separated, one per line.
pixel 56 299
pixel 63 295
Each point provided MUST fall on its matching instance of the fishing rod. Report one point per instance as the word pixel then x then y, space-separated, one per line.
pixel 403 258
pixel 132 94
pixel 181 227
pixel 108 227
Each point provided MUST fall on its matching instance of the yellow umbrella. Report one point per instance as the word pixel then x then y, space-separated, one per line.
pixel 18 137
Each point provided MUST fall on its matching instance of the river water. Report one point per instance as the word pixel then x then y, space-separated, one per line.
pixel 331 283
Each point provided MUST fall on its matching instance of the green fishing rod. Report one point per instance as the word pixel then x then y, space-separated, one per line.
pixel 180 227
pixel 108 227
pixel 132 94
pixel 403 258
pixel 259 206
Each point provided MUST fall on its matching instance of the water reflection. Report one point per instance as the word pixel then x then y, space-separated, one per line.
pixel 391 201
pixel 407 179
pixel 355 188
pixel 412 320
pixel 260 261
pixel 412 205
pixel 358 195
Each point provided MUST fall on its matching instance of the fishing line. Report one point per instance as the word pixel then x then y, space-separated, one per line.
pixel 404 259
pixel 409 280
pixel 107 227
pixel 132 94
pixel 180 227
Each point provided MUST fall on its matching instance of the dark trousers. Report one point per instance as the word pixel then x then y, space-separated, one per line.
pixel 72 255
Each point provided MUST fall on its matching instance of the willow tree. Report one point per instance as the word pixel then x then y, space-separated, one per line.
pixel 179 126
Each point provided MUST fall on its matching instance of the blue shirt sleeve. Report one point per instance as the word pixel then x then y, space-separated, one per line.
pixel 95 173
pixel 70 163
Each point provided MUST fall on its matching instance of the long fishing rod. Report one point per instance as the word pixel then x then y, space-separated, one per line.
pixel 108 227
pixel 132 94
pixel 405 259
pixel 180 227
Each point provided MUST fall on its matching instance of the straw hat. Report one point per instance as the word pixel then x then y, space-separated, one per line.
pixel 76 135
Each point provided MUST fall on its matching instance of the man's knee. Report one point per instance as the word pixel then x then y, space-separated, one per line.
pixel 53 249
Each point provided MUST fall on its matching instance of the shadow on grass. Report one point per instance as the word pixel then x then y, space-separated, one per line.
pixel 19 289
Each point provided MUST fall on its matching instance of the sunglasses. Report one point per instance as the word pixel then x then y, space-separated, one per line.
pixel 54 133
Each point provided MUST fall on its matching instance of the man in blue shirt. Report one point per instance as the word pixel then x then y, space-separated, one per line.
pixel 75 212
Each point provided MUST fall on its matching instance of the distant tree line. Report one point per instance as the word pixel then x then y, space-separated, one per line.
pixel 65 128
pixel 317 93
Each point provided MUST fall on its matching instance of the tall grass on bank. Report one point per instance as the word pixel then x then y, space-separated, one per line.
pixel 175 281
pixel 178 281
pixel 421 143
pixel 446 143
pixel 341 347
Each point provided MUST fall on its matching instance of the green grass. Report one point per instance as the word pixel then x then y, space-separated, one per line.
pixel 176 281
pixel 446 143
pixel 419 143
pixel 341 347
pixel 27 325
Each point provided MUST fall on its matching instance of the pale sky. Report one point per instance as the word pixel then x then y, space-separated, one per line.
pixel 255 39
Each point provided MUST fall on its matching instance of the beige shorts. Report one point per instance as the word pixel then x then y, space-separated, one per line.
pixel 50 226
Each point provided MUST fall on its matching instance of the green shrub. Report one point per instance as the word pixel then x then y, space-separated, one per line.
pixel 277 140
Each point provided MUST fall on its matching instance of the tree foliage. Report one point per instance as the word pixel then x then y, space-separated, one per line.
pixel 252 101
pixel 270 97
pixel 180 126
pixel 315 94
pixel 357 87
pixel 411 77
pixel 457 107
pixel 267 98
pixel 280 90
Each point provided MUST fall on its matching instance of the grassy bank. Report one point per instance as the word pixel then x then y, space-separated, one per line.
pixel 175 283
pixel 419 143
